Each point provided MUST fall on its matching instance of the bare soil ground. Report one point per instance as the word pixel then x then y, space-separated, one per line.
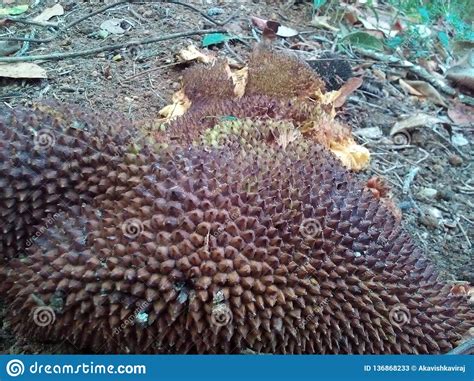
pixel 441 221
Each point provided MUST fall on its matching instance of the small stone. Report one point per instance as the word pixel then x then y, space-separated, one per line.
pixel 369 133
pixel 459 140
pixel 214 11
pixel 148 13
pixel 431 217
pixel 455 160
pixel 429 221
pixel 428 193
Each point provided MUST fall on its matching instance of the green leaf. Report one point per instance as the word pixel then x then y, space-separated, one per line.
pixel 425 14
pixel 215 38
pixel 318 3
pixel 13 11
pixel 364 40
pixel 443 38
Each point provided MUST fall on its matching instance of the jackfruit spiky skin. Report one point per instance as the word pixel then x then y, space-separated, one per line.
pixel 207 83
pixel 280 76
pixel 48 158
pixel 238 246
pixel 301 114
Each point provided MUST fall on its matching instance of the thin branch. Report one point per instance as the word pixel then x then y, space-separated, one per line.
pixel 203 14
pixel 66 27
pixel 418 70
pixel 88 52
pixel 19 20
pixel 100 10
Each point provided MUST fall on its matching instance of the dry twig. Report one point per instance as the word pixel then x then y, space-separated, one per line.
pixel 416 69
pixel 88 52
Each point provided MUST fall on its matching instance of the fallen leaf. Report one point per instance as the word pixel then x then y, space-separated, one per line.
pixel 48 13
pixel 215 38
pixel 416 120
pixel 409 89
pixel 22 70
pixel 461 114
pixel 192 53
pixel 13 11
pixel 427 90
pixel 270 26
pixel 323 22
pixel 112 26
pixel 284 31
pixel 259 23
pixel 180 105
pixel 352 155
pixel 369 133
pixel 351 85
pixel 463 72
pixel 379 24
pixel 239 77
pixel 364 40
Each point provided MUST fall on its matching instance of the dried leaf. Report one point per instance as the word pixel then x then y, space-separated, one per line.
pixel 239 78
pixel 112 26
pixel 22 70
pixel 351 85
pixel 352 155
pixel 461 114
pixel 192 53
pixel 284 31
pixel 409 89
pixel 258 22
pixel 428 91
pixel 323 22
pixel 364 40
pixel 463 72
pixel 180 105
pixel 48 13
pixel 270 26
pixel 416 120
